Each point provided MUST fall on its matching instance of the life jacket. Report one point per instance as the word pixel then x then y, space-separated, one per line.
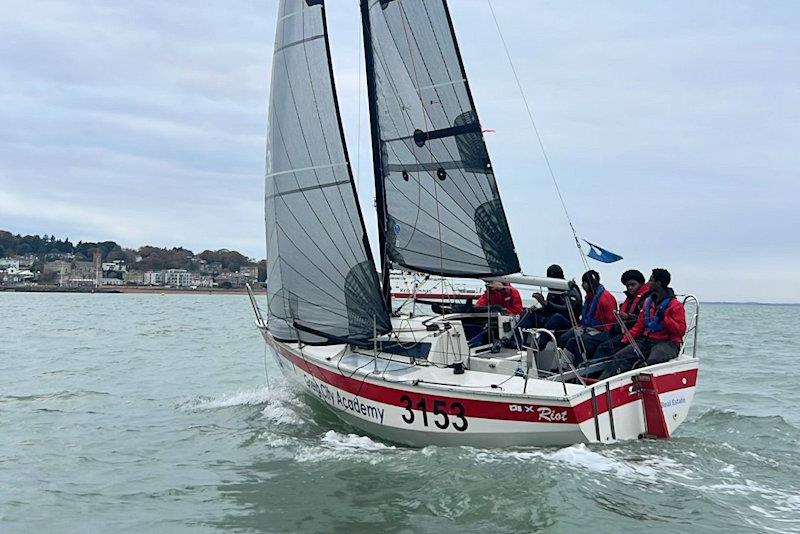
pixel 651 320
pixel 633 305
pixel 590 308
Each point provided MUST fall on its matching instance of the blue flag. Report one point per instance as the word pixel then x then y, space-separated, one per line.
pixel 601 254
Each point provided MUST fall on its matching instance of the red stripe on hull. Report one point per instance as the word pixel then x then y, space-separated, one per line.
pixel 490 409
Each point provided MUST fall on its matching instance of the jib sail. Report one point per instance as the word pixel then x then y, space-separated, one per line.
pixel 439 209
pixel 322 283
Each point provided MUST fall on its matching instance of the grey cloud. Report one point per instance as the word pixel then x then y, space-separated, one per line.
pixel 672 128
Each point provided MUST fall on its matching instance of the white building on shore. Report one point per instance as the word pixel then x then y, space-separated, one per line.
pixel 177 278
pixel 153 278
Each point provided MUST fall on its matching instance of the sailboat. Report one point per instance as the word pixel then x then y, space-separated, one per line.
pixel 410 378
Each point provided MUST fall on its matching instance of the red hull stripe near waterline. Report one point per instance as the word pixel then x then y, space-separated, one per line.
pixel 484 408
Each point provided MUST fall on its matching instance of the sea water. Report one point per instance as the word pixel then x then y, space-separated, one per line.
pixel 160 413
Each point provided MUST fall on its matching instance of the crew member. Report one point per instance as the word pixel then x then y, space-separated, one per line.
pixel 658 332
pixel 636 291
pixel 553 313
pixel 501 294
pixel 597 319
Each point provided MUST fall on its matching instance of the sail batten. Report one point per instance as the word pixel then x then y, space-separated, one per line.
pixel 322 283
pixel 438 203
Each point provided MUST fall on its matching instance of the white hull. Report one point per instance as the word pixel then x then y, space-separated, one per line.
pixel 427 405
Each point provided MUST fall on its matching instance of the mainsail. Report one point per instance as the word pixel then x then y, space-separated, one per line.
pixel 439 209
pixel 322 283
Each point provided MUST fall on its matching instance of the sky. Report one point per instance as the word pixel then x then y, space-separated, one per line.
pixel 673 128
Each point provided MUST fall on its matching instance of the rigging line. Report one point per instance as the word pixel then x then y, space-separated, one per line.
pixel 538 136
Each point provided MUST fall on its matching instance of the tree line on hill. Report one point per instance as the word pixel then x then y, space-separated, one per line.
pixel 145 258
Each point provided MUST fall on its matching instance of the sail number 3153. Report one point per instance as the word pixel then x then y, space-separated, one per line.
pixel 439 413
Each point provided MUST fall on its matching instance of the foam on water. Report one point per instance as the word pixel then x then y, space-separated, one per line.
pixel 577 457
pixel 335 446
pixel 249 397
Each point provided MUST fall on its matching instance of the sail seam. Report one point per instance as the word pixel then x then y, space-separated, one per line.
pixel 301 169
pixel 308 188
pixel 443 84
pixel 295 13
pixel 295 43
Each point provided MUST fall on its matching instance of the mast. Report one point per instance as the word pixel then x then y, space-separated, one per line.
pixel 380 190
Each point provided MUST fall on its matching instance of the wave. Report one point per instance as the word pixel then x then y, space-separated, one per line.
pixel 56 395
pixel 247 397
pixel 351 447
pixel 581 458
pixel 725 422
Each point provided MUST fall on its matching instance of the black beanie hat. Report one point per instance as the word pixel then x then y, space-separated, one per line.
pixel 632 274
pixel 555 271
pixel 662 276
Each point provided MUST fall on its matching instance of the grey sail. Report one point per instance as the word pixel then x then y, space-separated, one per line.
pixel 439 209
pixel 322 283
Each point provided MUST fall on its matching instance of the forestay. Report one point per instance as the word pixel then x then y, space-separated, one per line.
pixel 442 210
pixel 322 283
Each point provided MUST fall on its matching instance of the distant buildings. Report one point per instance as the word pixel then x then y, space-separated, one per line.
pixel 64 270
pixel 13 275
pixel 153 278
pixel 133 278
pixel 177 278
pixel 9 263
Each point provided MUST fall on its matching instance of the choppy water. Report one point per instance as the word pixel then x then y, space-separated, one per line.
pixel 148 413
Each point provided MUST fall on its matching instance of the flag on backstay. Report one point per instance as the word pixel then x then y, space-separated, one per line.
pixel 600 254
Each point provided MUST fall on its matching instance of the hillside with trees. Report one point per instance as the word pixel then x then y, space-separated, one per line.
pixel 145 258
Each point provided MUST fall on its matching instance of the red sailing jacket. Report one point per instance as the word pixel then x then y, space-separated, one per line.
pixel 674 324
pixel 633 305
pixel 604 314
pixel 508 298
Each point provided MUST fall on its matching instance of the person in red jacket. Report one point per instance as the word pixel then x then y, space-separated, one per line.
pixel 658 332
pixel 636 291
pixel 501 294
pixel 597 319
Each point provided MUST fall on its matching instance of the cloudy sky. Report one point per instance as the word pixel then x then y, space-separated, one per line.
pixel 673 128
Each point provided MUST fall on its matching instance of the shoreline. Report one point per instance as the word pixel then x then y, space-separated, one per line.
pixel 128 290
pixel 133 290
